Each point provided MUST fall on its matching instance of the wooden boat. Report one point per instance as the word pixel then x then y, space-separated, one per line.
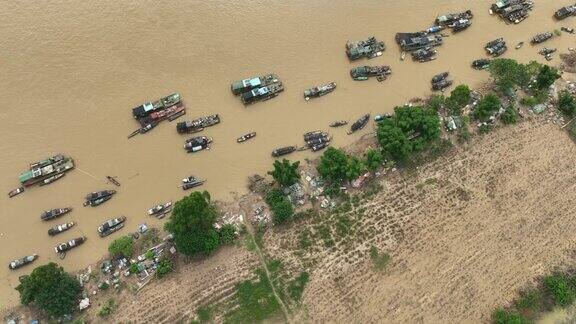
pixel 359 124
pixel 98 197
pixel 60 228
pixel 519 45
pixel 97 202
pixel 338 123
pixel 191 182
pixel 51 179
pixel 15 192
pixel 18 263
pixel 160 209
pixel 67 246
pixel 53 213
pixel 110 226
pixel 283 151
pixel 246 137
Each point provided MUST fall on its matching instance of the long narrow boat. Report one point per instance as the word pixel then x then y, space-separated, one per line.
pixel 191 182
pixel 53 178
pixel 359 124
pixel 246 137
pixel 283 151
pixel 18 263
pixel 98 197
pixel 41 170
pixel 60 228
pixel 160 209
pixel 15 192
pixel 53 213
pixel 110 226
pixel 338 123
pixel 67 246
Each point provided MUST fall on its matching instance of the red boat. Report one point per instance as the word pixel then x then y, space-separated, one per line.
pixel 163 114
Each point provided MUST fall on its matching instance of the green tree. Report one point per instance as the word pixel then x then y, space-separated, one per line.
pixel 285 173
pixel 486 107
pixel 123 246
pixel 333 165
pixel 461 96
pixel 192 224
pixel 418 120
pixel 510 116
pixel 546 77
pixel 374 159
pixel 509 74
pixel 281 207
pixel 51 289
pixel 394 142
pixel 354 168
pixel 436 102
pixel 566 103
pixel 227 233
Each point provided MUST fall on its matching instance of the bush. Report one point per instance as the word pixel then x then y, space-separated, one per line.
pixel 192 224
pixel 296 287
pixel 107 308
pixel 285 173
pixel 566 103
pixel 165 266
pixel 281 207
pixel 123 246
pixel 558 287
pixel 459 97
pixel 500 316
pixel 149 255
pixel 510 116
pixel 529 101
pixel 509 74
pixel 546 77
pixel 530 300
pixel 394 142
pixel 51 289
pixel 380 261
pixel 227 234
pixel 486 107
pixel 436 102
pixel 134 268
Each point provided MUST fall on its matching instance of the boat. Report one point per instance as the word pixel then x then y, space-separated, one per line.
pixel 41 170
pixel 110 226
pixel 197 143
pixel 513 11
pixel 460 25
pixel 113 181
pixel 52 178
pixel 424 54
pixel 496 47
pixel 134 133
pixel 148 108
pixel 97 202
pixel 541 38
pixel 403 56
pixel 359 124
pixel 565 12
pixel 249 84
pixel 160 115
pixel 60 228
pixel 440 86
pixel 439 77
pixel 362 73
pixel 53 213
pixel 481 64
pixel 246 137
pixel 567 30
pixel 191 182
pixel 15 192
pixel 451 18
pixel 380 118
pixel 519 45
pixel 412 41
pixel 261 94
pixel 160 209
pixel 283 151
pixel 67 246
pixel 18 263
pixel 96 198
pixel 198 124
pixel 369 48
pixel 338 123
pixel 434 29
pixel 147 127
pixel 318 147
pixel 319 91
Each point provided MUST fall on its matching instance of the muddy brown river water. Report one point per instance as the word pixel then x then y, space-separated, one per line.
pixel 70 73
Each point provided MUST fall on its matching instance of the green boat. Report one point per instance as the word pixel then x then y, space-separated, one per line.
pixel 46 168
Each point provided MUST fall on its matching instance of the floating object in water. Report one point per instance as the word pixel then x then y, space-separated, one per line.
pixel 113 181
pixel 246 137
pixel 18 263
pixel 338 123
pixel 519 45
pixel 359 124
pixel 15 192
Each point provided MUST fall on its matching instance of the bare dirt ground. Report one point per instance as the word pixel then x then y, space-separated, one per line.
pixel 464 232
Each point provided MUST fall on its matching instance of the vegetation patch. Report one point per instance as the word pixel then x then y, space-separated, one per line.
pixel 379 260
pixel 296 286
pixel 107 309
pixel 282 210
pixel 123 246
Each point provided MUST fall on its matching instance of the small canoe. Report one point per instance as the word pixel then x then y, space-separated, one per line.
pixel 113 181
pixel 338 123
pixel 519 45
pixel 246 137
pixel 60 228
